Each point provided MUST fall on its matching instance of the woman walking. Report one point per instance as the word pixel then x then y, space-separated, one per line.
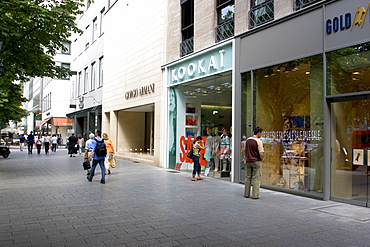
pixel 110 152
pixel 81 143
pixel 197 147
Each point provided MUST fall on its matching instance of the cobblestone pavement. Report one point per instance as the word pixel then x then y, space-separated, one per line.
pixel 45 200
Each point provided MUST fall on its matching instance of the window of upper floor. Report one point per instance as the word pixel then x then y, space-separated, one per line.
pixel 225 19
pixel 67 66
pixel 101 21
pixel 300 4
pixel 187 27
pixel 94 29
pixel 66 48
pixel 261 12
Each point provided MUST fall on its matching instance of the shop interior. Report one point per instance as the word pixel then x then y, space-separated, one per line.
pixel 203 108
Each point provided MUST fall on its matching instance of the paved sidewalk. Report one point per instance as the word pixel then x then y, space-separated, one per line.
pixel 45 200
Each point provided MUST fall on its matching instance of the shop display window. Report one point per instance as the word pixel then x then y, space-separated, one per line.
pixel 350 64
pixel 286 100
pixel 201 108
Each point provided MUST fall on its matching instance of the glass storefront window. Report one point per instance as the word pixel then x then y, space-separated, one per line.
pixel 348 70
pixel 286 100
pixel 201 108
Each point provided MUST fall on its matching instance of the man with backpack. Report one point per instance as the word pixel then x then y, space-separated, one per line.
pixel 99 151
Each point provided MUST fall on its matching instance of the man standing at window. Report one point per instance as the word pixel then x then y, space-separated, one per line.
pixel 254 153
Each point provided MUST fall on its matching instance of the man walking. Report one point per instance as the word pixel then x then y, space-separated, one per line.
pixel 99 150
pixel 254 153
pixel 30 142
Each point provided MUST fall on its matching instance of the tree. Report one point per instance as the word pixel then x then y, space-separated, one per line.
pixel 32 32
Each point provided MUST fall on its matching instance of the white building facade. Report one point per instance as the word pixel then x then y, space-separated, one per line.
pixel 87 66
pixel 133 53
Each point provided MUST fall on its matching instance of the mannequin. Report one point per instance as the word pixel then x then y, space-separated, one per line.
pixel 225 149
pixel 208 153
pixel 216 150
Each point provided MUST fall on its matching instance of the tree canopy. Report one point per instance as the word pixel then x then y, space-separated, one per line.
pixel 32 32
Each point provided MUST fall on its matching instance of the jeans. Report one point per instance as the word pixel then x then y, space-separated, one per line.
pixel 253 178
pixel 46 145
pixel 94 164
pixel 55 147
pixel 30 146
pixel 196 165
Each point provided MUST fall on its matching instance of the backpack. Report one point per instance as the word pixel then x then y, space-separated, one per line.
pixel 100 149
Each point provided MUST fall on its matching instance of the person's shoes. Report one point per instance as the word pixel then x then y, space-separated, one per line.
pixel 255 198
pixel 89 179
pixel 199 178
pixel 108 171
pixel 102 181
pixel 88 173
pixel 193 179
pixel 246 196
pixel 70 155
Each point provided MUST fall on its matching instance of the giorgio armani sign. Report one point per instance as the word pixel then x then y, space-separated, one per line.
pixel 141 91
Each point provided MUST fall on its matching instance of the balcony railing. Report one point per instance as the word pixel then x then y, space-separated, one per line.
pixel 261 14
pixel 300 4
pixel 225 30
pixel 186 47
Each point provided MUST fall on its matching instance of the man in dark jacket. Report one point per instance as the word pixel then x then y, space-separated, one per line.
pixel 72 145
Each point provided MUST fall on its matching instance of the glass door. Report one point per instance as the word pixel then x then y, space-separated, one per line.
pixel 350 147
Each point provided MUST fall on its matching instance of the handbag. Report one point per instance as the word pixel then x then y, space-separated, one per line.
pixel 190 154
pixel 114 164
pixel 86 165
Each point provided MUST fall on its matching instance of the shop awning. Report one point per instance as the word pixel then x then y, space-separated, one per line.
pixel 44 121
pixel 59 121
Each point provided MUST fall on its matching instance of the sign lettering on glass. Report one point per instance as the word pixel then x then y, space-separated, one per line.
pixel 186 143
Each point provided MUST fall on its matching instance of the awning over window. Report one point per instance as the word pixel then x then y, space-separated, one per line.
pixel 58 121
pixel 44 121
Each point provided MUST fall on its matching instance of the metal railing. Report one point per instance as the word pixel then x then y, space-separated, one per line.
pixel 225 30
pixel 300 4
pixel 261 14
pixel 187 47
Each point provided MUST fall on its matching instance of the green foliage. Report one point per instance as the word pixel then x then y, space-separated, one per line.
pixel 32 32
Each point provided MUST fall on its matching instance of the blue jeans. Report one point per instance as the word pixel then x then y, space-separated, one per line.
pixel 94 164
pixel 196 165
pixel 30 146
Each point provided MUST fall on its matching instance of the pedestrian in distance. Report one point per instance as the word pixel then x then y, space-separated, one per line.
pixel 81 144
pixel 99 152
pixel 197 147
pixel 54 143
pixel 39 144
pixel 108 163
pixel 30 142
pixel 47 143
pixel 88 150
pixel 22 139
pixel 72 145
pixel 254 154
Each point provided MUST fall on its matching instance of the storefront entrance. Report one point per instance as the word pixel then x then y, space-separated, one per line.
pixel 350 145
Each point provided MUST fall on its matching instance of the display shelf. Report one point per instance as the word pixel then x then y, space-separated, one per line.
pixel 192 120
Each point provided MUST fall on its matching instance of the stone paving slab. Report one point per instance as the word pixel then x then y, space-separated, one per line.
pixel 45 200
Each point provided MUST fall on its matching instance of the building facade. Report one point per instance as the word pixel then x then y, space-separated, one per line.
pixel 85 106
pixel 298 71
pixel 54 103
pixel 133 53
